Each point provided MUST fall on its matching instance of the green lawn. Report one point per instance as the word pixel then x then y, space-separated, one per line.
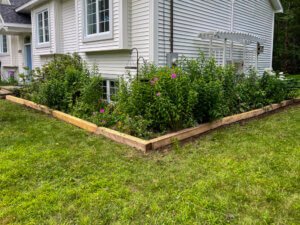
pixel 54 173
pixel 295 76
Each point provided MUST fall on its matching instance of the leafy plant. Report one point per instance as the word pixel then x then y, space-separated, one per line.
pixel 160 100
pixel 65 84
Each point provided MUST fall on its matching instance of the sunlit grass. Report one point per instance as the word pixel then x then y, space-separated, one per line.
pixel 54 173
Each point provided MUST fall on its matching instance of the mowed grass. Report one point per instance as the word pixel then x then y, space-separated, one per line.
pixel 54 173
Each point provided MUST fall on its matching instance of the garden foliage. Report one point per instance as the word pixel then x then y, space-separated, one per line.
pixel 161 99
pixel 65 84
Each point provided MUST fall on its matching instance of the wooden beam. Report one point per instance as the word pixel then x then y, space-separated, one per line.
pixel 156 143
pixel 90 127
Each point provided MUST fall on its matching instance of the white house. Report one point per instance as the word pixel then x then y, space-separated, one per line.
pixel 104 32
pixel 15 35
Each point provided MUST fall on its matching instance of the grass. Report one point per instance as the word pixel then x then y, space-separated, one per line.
pixel 295 76
pixel 54 173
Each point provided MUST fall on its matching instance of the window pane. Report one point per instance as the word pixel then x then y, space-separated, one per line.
pixel 43 26
pixel 46 34
pixel 106 18
pixel 106 27
pixel 4 41
pixel 40 27
pixel 113 88
pixel 104 89
pixel 103 15
pixel 46 26
pixel 46 15
pixel 92 29
pixel 101 27
pixel 91 17
pixel 40 18
pixel 101 5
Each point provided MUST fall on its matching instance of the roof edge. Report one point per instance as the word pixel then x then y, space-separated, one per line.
pixel 277 6
pixel 25 8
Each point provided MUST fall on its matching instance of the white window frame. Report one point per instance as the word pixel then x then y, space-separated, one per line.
pixel 108 87
pixel 2 46
pixel 44 43
pixel 98 36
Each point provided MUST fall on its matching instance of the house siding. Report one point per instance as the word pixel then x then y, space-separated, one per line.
pixel 261 23
pixel 192 17
pixel 67 36
pixel 112 64
pixel 6 58
pixel 68 40
pixel 40 53
pixel 13 59
pixel 110 44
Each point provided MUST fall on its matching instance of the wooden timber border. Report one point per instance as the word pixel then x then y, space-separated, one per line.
pixel 156 143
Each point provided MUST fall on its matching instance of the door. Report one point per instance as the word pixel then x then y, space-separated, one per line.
pixel 28 58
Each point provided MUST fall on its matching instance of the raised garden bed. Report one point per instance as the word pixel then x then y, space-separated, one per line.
pixel 156 143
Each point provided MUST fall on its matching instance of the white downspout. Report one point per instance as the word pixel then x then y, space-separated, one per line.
pixel 210 46
pixel 224 52
pixel 232 15
pixel 232 27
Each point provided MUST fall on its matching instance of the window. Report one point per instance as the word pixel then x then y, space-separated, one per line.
pixel 3 44
pixel 43 27
pixel 98 16
pixel 110 88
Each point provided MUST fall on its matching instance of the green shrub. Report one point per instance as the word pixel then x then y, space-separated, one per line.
pixel 209 84
pixel 65 84
pixel 210 103
pixel 276 90
pixel 249 93
pixel 161 100
pixel 164 97
pixel 53 94
pixel 89 100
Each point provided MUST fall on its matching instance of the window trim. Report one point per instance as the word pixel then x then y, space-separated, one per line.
pixel 42 44
pixel 1 45
pixel 108 87
pixel 97 36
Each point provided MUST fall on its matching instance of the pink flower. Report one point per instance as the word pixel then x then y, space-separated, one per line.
pixel 173 76
pixel 102 110
pixel 158 94
pixel 154 80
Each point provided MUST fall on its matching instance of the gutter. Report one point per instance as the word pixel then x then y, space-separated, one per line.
pixel 26 8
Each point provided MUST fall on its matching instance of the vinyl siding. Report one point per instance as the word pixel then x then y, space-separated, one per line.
pixel 257 19
pixel 112 64
pixel 37 51
pixel 13 59
pixel 192 17
pixel 100 45
pixel 6 58
pixel 140 27
pixel 106 54
pixel 68 27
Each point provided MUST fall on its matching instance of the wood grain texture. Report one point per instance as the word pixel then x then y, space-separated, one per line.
pixel 156 143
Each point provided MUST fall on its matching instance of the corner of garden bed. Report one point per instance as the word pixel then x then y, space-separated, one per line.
pixel 156 143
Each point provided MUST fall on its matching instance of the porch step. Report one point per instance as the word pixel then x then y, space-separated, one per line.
pixel 4 92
